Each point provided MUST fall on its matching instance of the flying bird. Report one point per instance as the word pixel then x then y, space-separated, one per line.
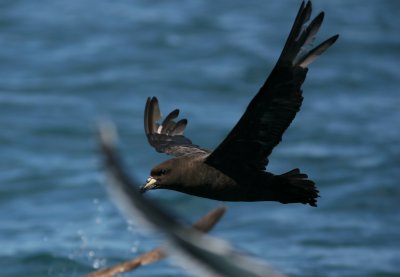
pixel 204 255
pixel 236 169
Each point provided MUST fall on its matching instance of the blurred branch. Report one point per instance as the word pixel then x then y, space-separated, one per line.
pixel 204 224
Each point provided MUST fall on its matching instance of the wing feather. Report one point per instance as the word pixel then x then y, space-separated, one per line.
pixel 167 137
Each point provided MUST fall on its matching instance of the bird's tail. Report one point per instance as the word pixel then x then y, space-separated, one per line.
pixel 295 187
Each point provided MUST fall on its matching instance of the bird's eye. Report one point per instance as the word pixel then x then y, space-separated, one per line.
pixel 162 172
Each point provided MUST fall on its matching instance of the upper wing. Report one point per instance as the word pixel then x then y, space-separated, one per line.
pixel 167 137
pixel 274 107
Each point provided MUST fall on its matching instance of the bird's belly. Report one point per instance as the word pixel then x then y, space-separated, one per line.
pixel 214 184
pixel 229 192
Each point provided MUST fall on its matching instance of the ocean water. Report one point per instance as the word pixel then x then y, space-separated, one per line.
pixel 65 64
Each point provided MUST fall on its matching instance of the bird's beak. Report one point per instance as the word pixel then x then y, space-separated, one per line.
pixel 150 184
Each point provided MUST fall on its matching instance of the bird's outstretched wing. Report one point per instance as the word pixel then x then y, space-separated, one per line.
pixel 274 107
pixel 167 137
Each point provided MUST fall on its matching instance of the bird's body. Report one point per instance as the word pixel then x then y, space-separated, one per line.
pixel 192 175
pixel 235 170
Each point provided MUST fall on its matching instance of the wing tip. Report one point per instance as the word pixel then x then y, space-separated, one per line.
pixel 301 35
pixel 313 54
pixel 151 115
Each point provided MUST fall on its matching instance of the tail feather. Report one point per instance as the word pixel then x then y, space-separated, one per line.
pixel 297 188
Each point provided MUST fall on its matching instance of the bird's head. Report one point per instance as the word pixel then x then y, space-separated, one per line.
pixel 161 177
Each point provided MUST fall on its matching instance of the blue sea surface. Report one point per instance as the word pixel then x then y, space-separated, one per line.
pixel 66 64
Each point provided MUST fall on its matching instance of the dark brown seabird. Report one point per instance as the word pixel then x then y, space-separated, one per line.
pixel 235 170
